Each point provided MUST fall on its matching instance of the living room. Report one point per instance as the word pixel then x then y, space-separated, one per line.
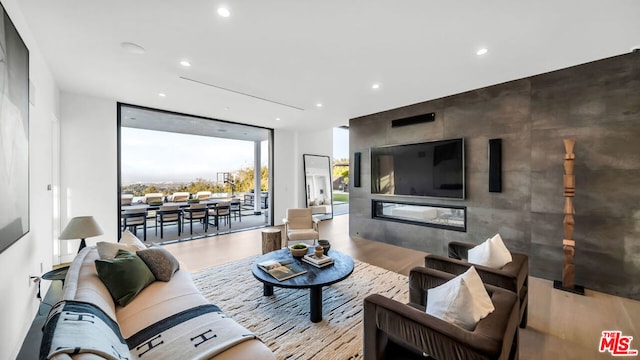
pixel 74 128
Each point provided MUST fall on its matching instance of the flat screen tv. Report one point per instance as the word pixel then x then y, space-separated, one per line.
pixel 430 169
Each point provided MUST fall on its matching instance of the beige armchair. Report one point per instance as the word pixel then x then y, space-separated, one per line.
pixel 300 225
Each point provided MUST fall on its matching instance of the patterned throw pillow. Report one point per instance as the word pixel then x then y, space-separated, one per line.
pixel 124 276
pixel 160 261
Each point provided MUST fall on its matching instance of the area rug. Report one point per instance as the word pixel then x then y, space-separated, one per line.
pixel 282 322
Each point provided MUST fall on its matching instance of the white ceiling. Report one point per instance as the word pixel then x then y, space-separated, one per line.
pixel 288 55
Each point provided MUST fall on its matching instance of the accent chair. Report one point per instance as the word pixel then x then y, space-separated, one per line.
pixel 513 276
pixel 394 330
pixel 300 225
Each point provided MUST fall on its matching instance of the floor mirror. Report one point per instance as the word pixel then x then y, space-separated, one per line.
pixel 317 182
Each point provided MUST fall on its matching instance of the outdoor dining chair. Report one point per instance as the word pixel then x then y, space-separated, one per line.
pixel 196 212
pixel 168 214
pixel 236 209
pixel 132 219
pixel 220 211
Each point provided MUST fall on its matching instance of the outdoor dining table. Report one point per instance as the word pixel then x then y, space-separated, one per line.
pixel 182 204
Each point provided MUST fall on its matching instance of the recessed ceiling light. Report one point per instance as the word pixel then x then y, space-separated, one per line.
pixel 375 86
pixel 162 94
pixel 482 51
pixel 277 119
pixel 319 105
pixel 185 63
pixel 224 12
pixel 132 48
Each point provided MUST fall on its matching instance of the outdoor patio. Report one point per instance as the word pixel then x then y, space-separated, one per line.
pixel 249 221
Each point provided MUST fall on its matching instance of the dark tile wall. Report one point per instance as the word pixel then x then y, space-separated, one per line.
pixel 598 104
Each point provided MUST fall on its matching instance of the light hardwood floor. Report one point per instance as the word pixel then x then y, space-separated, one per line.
pixel 561 325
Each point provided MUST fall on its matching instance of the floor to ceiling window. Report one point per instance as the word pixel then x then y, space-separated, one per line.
pixel 197 165
pixel 340 170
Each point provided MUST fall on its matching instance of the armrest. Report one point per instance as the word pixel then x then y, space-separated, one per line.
pixel 420 280
pixel 388 321
pixel 497 277
pixel 316 222
pixel 458 250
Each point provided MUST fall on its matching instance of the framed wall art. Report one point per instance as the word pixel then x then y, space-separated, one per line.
pixel 14 134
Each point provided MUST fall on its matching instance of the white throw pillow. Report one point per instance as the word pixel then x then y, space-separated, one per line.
pixel 109 250
pixel 491 253
pixel 129 239
pixel 462 301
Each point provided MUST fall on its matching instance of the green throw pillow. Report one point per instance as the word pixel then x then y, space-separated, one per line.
pixel 125 276
pixel 160 261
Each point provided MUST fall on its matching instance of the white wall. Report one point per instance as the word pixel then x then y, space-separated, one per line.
pixel 32 254
pixel 88 166
pixel 288 166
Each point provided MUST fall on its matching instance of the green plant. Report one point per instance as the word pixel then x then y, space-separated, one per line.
pixel 341 197
pixel 299 246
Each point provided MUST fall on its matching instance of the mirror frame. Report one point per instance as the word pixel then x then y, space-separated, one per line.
pixel 322 164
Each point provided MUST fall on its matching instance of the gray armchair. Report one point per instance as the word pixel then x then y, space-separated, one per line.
pixel 514 276
pixel 393 330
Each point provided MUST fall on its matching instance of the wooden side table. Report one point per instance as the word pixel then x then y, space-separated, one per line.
pixel 271 240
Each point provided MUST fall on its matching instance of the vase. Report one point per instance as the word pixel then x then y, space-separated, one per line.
pixel 326 245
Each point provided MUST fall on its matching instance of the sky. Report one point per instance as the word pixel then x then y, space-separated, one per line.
pixel 154 156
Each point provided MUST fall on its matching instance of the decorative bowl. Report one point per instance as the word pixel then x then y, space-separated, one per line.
pixel 298 250
pixel 326 245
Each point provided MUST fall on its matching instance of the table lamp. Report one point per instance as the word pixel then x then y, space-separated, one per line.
pixel 81 227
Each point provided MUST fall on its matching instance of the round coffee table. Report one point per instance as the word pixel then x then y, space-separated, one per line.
pixel 314 279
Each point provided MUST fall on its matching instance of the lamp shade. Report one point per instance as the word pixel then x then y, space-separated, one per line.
pixel 81 227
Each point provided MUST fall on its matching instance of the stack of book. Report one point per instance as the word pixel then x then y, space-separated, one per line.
pixel 320 262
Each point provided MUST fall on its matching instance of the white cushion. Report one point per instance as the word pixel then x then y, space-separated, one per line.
pixel 129 242
pixel 462 301
pixel 109 250
pixel 491 253
pixel 129 238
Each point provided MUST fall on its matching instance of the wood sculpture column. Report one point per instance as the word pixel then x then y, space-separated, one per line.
pixel 568 244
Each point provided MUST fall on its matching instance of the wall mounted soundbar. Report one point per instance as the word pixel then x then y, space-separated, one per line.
pixel 418 119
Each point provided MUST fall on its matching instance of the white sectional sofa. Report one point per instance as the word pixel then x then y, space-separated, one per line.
pixel 161 309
